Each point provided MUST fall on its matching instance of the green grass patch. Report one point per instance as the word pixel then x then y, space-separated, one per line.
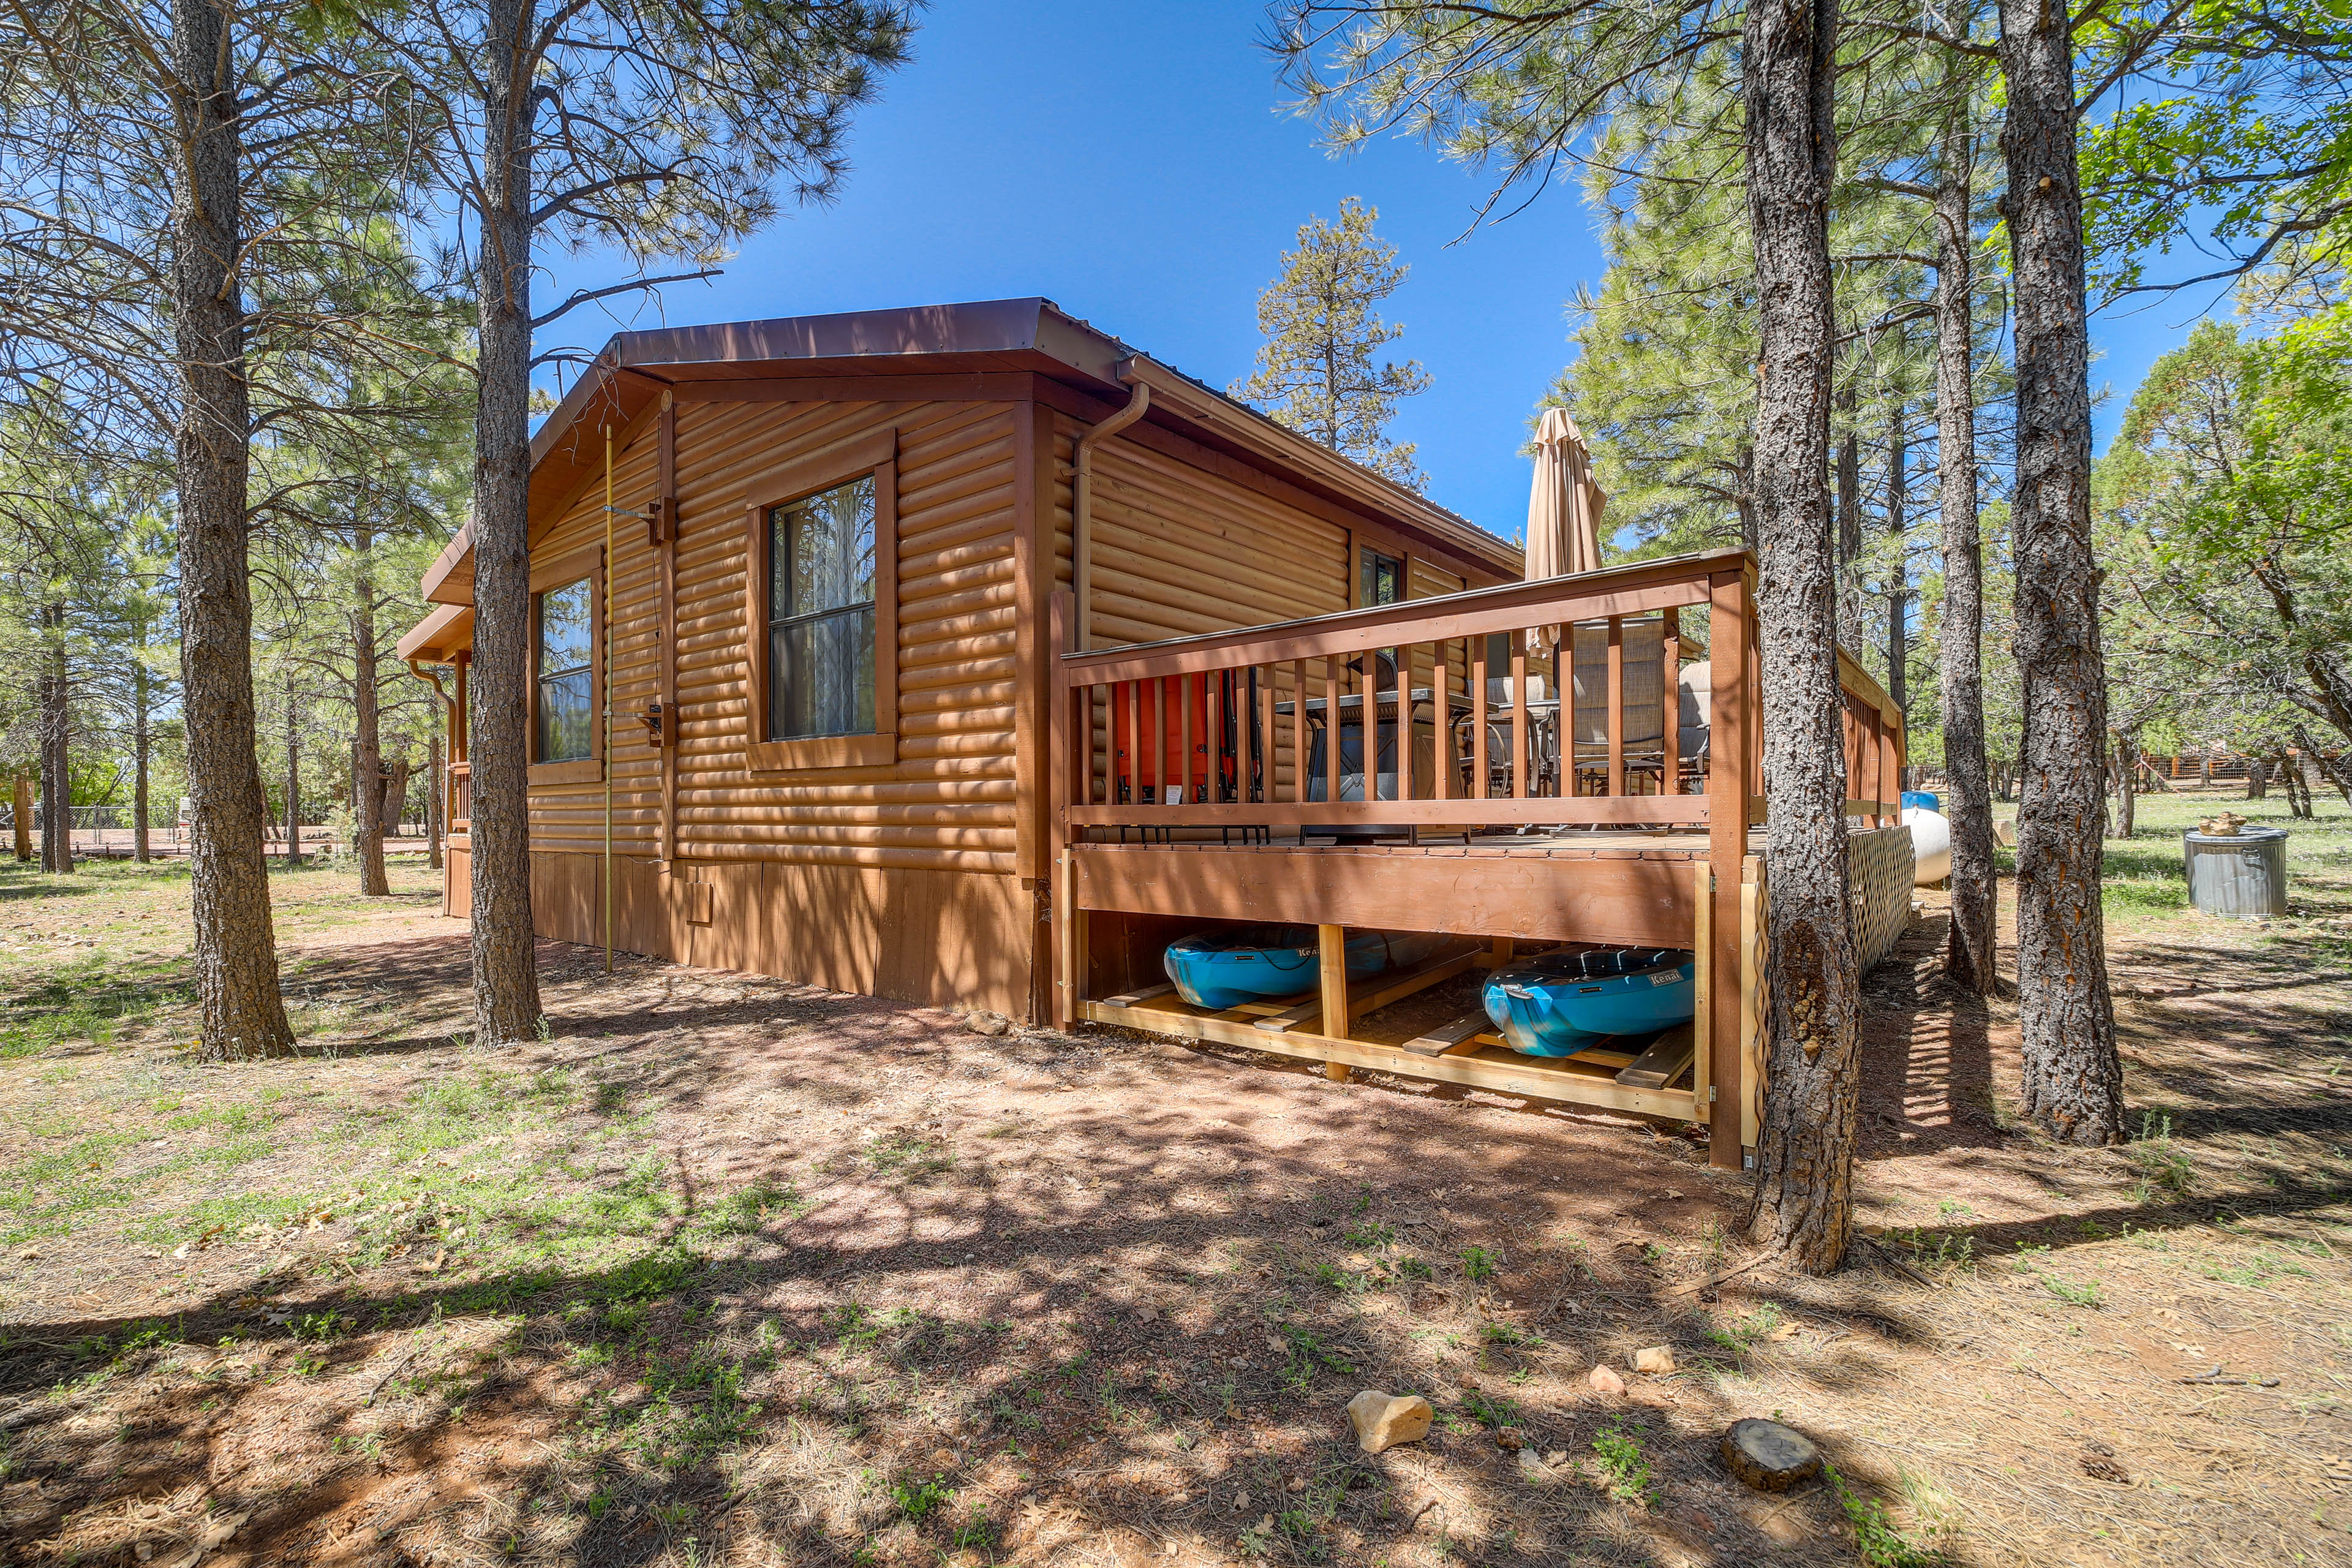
pixel 89 1000
pixel 1624 1468
pixel 1877 1542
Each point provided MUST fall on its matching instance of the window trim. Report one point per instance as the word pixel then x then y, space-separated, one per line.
pixel 875 457
pixel 1369 550
pixel 560 571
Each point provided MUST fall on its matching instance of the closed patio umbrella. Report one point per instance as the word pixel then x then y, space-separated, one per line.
pixel 1563 508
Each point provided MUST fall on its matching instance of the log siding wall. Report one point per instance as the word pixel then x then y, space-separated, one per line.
pixel 917 879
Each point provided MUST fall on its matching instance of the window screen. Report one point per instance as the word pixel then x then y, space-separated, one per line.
pixel 821 615
pixel 566 678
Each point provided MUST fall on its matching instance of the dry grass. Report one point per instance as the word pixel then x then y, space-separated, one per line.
pixel 727 1270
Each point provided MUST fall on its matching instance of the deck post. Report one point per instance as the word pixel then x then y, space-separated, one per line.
pixel 1890 767
pixel 1730 634
pixel 1061 719
pixel 1332 942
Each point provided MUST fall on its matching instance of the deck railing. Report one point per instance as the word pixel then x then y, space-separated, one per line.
pixel 1436 722
pixel 1874 745
pixel 461 796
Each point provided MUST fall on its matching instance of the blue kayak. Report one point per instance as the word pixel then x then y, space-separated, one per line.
pixel 1558 1004
pixel 1222 968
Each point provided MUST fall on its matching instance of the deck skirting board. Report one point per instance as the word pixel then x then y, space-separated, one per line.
pixel 1630 901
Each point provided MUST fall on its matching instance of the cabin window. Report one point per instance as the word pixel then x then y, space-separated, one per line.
pixel 564 699
pixel 822 610
pixel 567 673
pixel 1384 581
pixel 821 615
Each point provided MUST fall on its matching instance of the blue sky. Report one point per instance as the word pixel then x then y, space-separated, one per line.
pixel 1133 162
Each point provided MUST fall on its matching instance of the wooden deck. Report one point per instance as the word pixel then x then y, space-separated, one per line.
pixel 1193 784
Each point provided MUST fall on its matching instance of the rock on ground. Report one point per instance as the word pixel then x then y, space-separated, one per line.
pixel 1384 1420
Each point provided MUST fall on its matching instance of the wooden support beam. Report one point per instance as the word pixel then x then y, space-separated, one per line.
pixel 1730 651
pixel 1333 941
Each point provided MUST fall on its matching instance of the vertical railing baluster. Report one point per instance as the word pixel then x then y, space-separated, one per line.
pixel 1265 731
pixel 1298 731
pixel 1480 782
pixel 1158 690
pixel 1216 704
pixel 1404 723
pixel 1185 745
pixel 1331 684
pixel 1519 717
pixel 1441 688
pixel 1670 701
pixel 1134 781
pixel 1616 705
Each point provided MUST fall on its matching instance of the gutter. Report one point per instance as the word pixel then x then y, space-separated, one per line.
pixel 1082 495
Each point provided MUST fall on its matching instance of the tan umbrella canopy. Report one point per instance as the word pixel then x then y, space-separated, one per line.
pixel 1563 508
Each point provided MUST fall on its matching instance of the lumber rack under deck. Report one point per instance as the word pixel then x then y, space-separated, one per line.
pixel 1470 837
pixel 1652 1077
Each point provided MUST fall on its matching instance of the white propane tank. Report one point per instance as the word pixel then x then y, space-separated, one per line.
pixel 1931 845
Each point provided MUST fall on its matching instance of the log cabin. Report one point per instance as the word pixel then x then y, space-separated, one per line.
pixel 963 655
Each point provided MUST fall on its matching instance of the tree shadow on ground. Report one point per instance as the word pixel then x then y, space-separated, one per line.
pixel 1153 1296
pixel 1068 1296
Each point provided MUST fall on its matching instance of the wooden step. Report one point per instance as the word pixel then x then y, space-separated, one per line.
pixel 1134 998
pixel 1461 1034
pixel 1663 1061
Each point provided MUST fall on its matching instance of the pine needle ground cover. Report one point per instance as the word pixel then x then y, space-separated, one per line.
pixel 724 1269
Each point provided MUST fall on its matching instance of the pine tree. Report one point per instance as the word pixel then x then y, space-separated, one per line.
pixel 659 130
pixel 1318 372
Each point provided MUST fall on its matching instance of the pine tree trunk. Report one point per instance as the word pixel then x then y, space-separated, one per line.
pixel 293 782
pixel 392 794
pixel 1898 602
pixel 1970 957
pixel 141 742
pixel 2073 1079
pixel 367 816
pixel 243 1015
pixel 53 698
pixel 2258 778
pixel 1849 523
pixel 1802 1205
pixel 2127 780
pixel 506 981
pixel 55 760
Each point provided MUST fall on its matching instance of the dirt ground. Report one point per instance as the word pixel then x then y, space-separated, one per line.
pixel 726 1270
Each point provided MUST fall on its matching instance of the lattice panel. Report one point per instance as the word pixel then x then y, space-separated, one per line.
pixel 1881 881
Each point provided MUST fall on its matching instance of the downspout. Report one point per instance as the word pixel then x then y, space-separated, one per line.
pixel 432 676
pixel 1082 487
pixel 449 703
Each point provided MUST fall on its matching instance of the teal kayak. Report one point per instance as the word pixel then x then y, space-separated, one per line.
pixel 1558 1004
pixel 1222 968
